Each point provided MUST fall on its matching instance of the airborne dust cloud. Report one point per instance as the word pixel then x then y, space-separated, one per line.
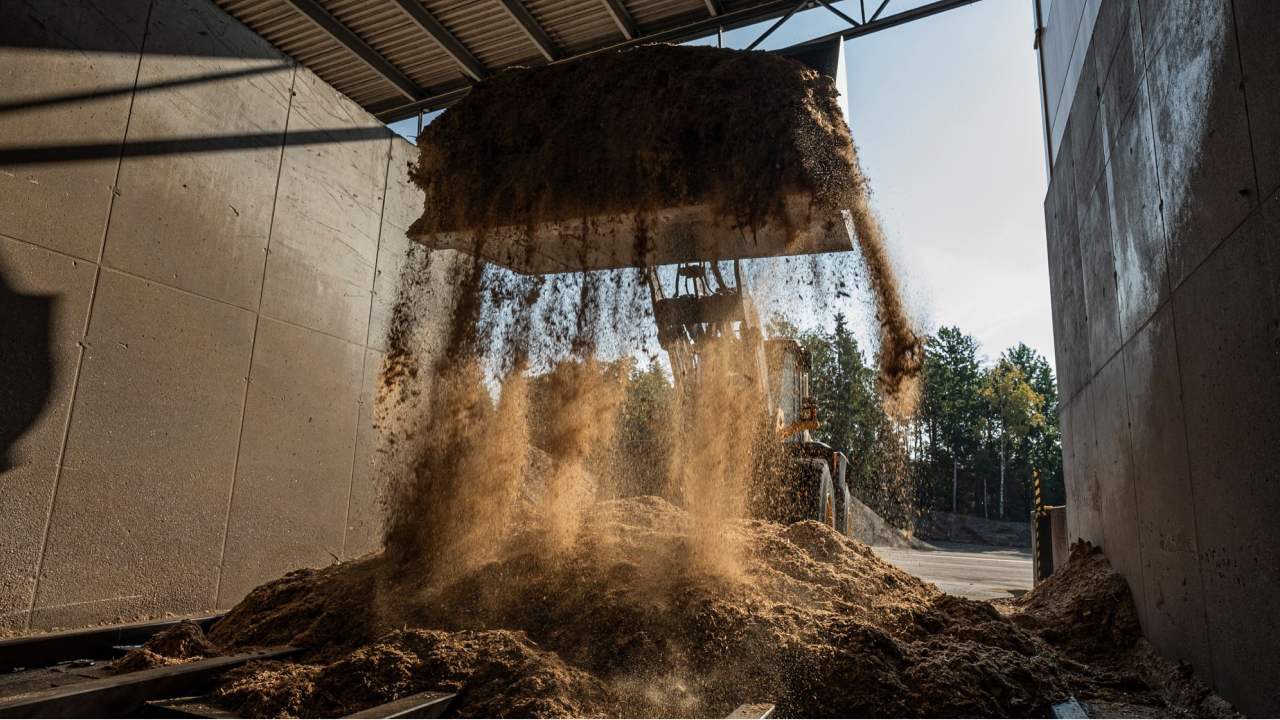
pixel 521 566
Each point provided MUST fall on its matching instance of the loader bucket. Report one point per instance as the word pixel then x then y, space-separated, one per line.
pixel 653 156
pixel 692 233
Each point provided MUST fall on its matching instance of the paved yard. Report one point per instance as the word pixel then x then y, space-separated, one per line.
pixel 978 572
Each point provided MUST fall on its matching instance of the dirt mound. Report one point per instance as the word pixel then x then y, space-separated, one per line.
pixel 1082 608
pixel 1085 610
pixel 626 622
pixel 949 527
pixel 503 674
pixel 868 527
pixel 180 643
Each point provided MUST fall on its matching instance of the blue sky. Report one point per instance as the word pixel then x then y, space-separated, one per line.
pixel 946 115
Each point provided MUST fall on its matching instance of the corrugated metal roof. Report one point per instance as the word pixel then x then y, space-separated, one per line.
pixel 486 29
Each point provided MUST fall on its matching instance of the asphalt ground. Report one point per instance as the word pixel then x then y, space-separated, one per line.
pixel 978 572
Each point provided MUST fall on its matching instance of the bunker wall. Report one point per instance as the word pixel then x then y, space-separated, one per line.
pixel 1163 226
pixel 199 246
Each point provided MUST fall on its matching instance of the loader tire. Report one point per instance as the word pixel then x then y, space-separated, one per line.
pixel 810 493
pixel 846 514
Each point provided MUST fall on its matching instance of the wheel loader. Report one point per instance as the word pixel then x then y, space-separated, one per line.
pixel 704 309
pixel 475 206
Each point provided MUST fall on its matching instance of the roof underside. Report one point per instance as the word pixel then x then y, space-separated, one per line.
pixel 399 57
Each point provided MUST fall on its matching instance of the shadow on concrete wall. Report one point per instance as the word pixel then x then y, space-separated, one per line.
pixel 184 145
pixel 76 98
pixel 26 365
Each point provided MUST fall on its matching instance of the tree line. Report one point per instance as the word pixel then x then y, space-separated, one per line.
pixel 979 431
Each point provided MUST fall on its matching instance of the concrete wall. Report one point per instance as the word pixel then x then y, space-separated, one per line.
pixel 1164 249
pixel 1068 26
pixel 198 244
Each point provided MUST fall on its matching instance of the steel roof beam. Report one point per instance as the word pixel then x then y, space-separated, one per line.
pixel 713 7
pixel 894 20
pixel 702 28
pixel 450 44
pixel 623 18
pixel 343 35
pixel 534 31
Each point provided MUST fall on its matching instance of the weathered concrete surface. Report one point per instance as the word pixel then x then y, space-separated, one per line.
pixel 328 214
pixel 404 199
pixel 195 220
pixel 1171 446
pixel 210 438
pixel 1066 283
pixel 293 479
pixel 1202 135
pixel 44 297
pixel 1172 587
pixel 1098 265
pixel 1256 21
pixel 54 95
pixel 363 531
pixel 1087 136
pixel 1084 501
pixel 139 511
pixel 1118 497
pixel 1228 335
pixel 403 205
pixel 1118 53
pixel 1142 274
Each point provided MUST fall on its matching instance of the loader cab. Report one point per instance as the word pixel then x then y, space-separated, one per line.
pixel 790 395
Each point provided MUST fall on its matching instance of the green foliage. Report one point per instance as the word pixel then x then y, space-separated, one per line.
pixel 951 446
pixel 951 410
pixel 643 432
pixel 1041 447
pixel 853 419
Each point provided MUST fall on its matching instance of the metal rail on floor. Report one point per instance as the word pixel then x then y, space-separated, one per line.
pixel 752 711
pixel 422 705
pixel 94 644
pixel 123 695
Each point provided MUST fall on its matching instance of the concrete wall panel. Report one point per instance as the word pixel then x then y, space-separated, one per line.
pixel 1054 239
pixel 1099 269
pixel 1070 471
pixel 1195 235
pixel 44 300
pixel 1173 590
pixel 324 245
pixel 391 256
pixel 1086 497
pixel 1067 281
pixel 198 220
pixel 141 504
pixel 155 459
pixel 1120 61
pixel 405 200
pixel 1256 21
pixel 1118 498
pixel 293 480
pixel 364 514
pixel 1142 276
pixel 1228 335
pixel 57 96
pixel 1086 130
pixel 1202 136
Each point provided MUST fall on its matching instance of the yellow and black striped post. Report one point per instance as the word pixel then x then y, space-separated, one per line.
pixel 1041 535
